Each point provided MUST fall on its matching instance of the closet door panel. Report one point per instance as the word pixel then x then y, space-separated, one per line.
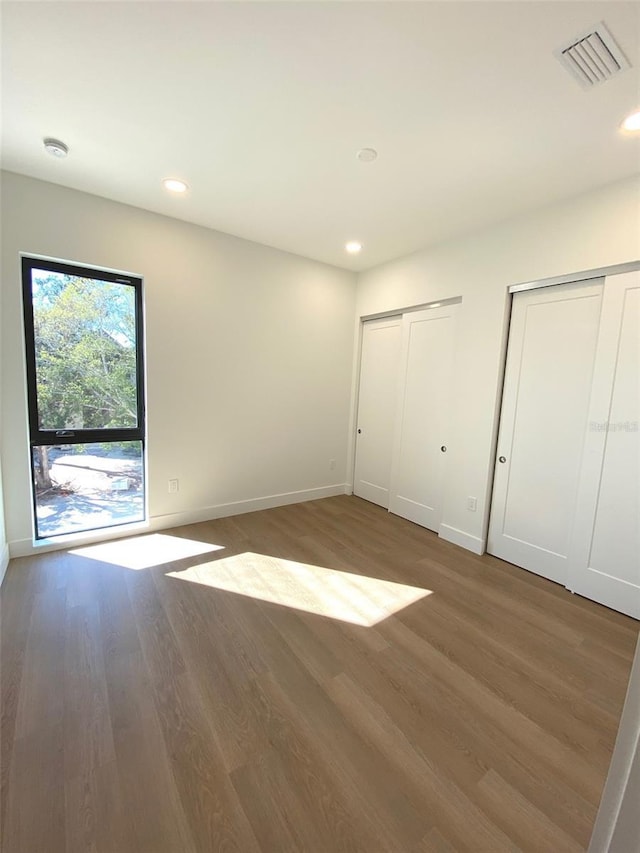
pixel 377 400
pixel 422 423
pixel 548 377
pixel 605 563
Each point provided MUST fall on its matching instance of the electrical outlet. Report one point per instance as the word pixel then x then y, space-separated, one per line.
pixel 173 486
pixel 472 504
pixel 332 464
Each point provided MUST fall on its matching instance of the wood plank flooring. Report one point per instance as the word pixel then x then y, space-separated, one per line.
pixel 181 708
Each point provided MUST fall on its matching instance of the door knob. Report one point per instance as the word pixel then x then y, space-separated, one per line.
pixel 502 459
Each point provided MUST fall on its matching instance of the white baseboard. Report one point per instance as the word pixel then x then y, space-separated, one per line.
pixel 464 540
pixel 177 519
pixel 4 562
pixel 25 547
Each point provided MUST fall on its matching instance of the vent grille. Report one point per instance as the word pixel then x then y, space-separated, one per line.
pixel 594 57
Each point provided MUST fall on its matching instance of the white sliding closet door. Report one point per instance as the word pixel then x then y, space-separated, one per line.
pixel 605 563
pixel 422 423
pixel 545 409
pixel 377 397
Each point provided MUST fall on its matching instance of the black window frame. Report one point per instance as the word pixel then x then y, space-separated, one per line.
pixel 40 436
pixel 50 437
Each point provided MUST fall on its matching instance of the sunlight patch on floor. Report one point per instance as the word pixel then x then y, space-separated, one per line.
pixel 351 598
pixel 142 552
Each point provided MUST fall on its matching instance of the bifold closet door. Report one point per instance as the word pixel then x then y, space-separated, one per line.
pixel 377 396
pixel 422 420
pixel 605 560
pixel 545 408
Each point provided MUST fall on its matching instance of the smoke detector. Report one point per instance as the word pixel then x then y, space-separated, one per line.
pixel 367 155
pixel 55 148
pixel 593 57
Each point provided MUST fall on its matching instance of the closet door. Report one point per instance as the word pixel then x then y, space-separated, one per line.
pixel 377 396
pixel 549 371
pixel 422 421
pixel 605 559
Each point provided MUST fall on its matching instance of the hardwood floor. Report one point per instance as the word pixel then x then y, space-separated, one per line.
pixel 157 710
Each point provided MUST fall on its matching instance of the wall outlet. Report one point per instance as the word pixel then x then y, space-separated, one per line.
pixel 472 504
pixel 174 486
pixel 332 464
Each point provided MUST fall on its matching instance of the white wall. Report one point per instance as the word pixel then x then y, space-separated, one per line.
pixel 250 350
pixel 598 229
pixel 617 826
pixel 626 830
pixel 4 549
pixel 248 355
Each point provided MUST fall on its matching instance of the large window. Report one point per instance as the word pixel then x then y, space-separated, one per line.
pixel 84 348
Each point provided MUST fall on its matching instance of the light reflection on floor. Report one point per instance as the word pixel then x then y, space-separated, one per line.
pixel 348 597
pixel 142 552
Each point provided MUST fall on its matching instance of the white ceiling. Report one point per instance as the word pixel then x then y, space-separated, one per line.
pixel 261 108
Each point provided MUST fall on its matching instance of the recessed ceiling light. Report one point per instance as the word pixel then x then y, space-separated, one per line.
pixel 174 185
pixel 367 155
pixel 353 247
pixel 55 148
pixel 632 122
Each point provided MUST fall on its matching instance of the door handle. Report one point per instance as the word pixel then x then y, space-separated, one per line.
pixel 444 448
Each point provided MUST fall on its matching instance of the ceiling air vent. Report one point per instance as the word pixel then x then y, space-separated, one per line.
pixel 594 57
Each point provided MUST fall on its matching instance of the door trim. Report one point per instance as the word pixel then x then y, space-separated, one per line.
pixel 585 275
pixel 423 306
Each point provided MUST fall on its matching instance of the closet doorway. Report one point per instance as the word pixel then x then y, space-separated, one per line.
pixel 404 402
pixel 566 497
